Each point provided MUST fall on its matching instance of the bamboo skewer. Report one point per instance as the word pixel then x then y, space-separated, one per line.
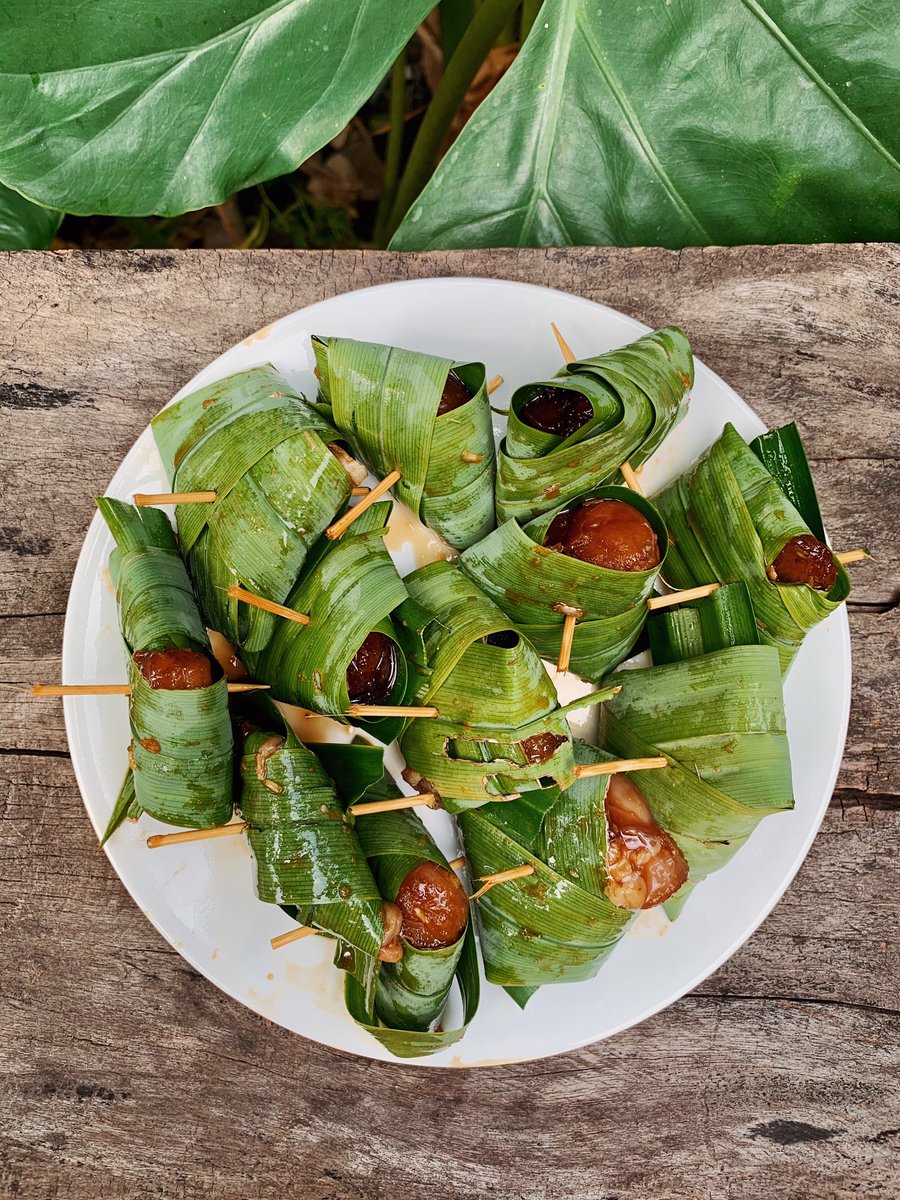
pixel 591 770
pixel 852 556
pixel 118 689
pixel 568 635
pixel 696 593
pixel 280 610
pixel 494 384
pixel 343 524
pixel 146 499
pixel 489 881
pixel 359 491
pixel 293 935
pixel 564 348
pixel 631 479
pixel 423 800
pixel 196 835
pixel 628 473
pixel 387 710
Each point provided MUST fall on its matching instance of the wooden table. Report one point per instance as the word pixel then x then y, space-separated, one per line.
pixel 126 1074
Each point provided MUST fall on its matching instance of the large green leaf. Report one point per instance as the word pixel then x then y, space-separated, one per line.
pixel 672 123
pixel 23 225
pixel 163 106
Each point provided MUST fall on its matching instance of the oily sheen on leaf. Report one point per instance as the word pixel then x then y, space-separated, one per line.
pixel 162 107
pixel 663 123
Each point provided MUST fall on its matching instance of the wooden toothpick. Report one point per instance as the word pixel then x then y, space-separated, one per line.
pixel 591 770
pixel 696 593
pixel 631 479
pixel 387 710
pixel 456 863
pixel 494 384
pixel 196 835
pixel 568 635
pixel 359 491
pixel 293 935
pixel 119 689
pixel 146 499
pixel 424 800
pixel 490 881
pixel 343 524
pixel 280 610
pixel 564 347
pixel 852 556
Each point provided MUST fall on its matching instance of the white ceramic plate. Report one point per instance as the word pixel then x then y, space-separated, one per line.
pixel 200 897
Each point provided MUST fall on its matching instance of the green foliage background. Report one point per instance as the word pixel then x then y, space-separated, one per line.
pixel 659 122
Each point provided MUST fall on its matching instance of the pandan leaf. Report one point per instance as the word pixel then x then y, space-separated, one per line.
pixel 729 519
pixel 529 581
pixel 182 747
pixel 638 392
pixel 263 450
pixel 386 401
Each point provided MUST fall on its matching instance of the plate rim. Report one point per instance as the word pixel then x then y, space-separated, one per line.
pixel 208 373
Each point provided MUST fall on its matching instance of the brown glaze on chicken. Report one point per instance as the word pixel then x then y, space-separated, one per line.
pixel 391 947
pixel 454 395
pixel 373 670
pixel 557 410
pixel 607 533
pixel 644 865
pixel 805 560
pixel 434 905
pixel 541 746
pixel 174 670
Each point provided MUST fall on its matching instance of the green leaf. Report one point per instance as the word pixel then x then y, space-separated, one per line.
pixel 529 581
pixel 729 519
pixel 181 741
pixel 126 807
pixel 673 124
pixel 782 454
pixel 169 107
pixel 387 401
pixel 23 225
pixel 696 627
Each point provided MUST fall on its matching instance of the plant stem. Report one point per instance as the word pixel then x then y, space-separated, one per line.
pixel 530 10
pixel 456 17
pixel 461 70
pixel 394 148
pixel 232 222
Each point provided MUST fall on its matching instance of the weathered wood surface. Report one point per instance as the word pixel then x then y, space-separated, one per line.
pixel 126 1074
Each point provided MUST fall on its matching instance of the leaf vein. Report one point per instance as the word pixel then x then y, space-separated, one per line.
pixel 821 83
pixel 639 132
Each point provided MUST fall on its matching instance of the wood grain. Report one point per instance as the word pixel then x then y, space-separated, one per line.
pixel 128 1075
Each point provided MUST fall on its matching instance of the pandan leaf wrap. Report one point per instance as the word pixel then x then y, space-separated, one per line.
pixel 182 747
pixel 264 451
pixel 386 400
pixel 729 519
pixel 557 925
pixel 349 589
pixel 638 394
pixel 719 721
pixel 410 994
pixel 528 581
pixel 490 700
pixel 306 851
